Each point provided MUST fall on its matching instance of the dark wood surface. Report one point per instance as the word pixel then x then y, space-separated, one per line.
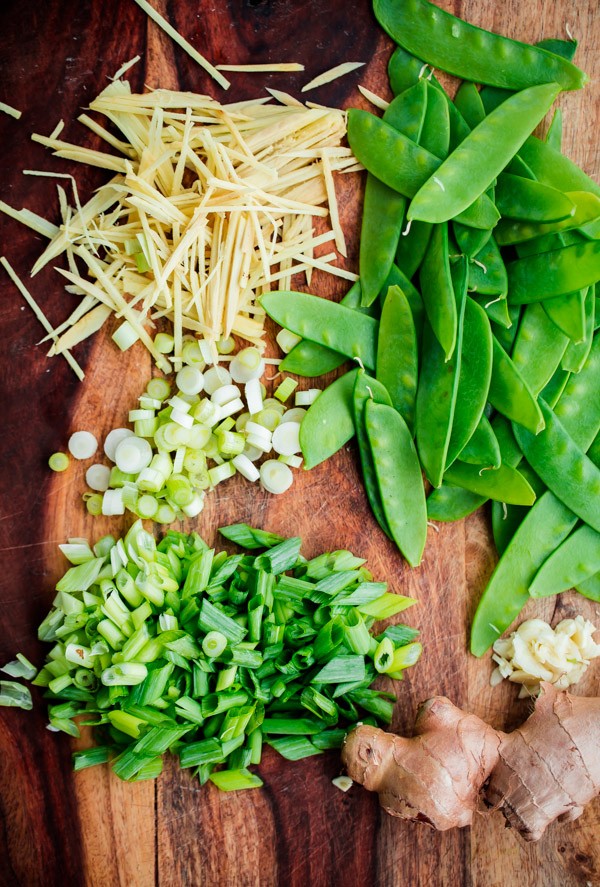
pixel 57 827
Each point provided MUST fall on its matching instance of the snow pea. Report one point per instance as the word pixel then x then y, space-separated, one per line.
pixel 468 101
pixel 504 483
pixel 555 131
pixel 437 389
pixel 487 271
pixel 539 347
pixel 412 247
pixel 586 210
pixel 469 52
pixel 506 520
pixel 435 136
pixel 531 201
pixel 309 359
pixel 404 70
pixel 538 277
pixel 482 447
pixel 553 168
pixel 437 290
pixel 329 421
pixel 511 395
pixel 399 478
pixel 548 243
pixel 563 466
pixel 577 559
pixel 324 322
pixel 579 407
pixel 477 161
pixel 365 388
pixel 542 530
pixel 498 311
pixel 384 208
pixel 403 165
pixel 555 387
pixel 474 378
pixel 576 354
pixel 590 588
pixel 397 367
pixel 565 48
pixel 450 503
pixel 470 240
pixel 568 313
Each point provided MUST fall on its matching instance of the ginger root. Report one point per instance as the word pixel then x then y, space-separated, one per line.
pixel 456 764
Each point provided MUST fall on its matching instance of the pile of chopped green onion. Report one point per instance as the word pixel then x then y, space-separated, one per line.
pixel 218 423
pixel 176 647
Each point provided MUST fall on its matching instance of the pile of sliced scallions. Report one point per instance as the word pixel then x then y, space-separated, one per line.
pixel 176 647
pixel 218 423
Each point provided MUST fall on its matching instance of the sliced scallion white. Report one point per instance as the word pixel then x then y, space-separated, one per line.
pixel 215 377
pixel 97 477
pixel 306 398
pixel 58 462
pixel 286 439
pixel 247 364
pixel 133 454
pixel 254 400
pixel 114 438
pixel 225 394
pixel 287 340
pixel 296 414
pixel 276 477
pixel 246 467
pixel 190 380
pixel 82 445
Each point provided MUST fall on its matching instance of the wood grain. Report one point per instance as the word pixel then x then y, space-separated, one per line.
pixel 89 828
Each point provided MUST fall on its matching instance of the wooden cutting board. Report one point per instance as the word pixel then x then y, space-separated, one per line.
pixel 89 828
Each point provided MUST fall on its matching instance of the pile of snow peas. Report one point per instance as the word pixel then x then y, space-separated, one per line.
pixel 474 321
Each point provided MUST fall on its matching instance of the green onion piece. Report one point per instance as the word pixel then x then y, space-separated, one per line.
pixel 400 634
pixel 189 709
pixel 285 389
pixel 158 739
pixel 383 656
pixel 329 739
pixel 126 723
pixel 150 770
pixel 217 703
pixel 341 668
pixel 329 639
pixel 293 726
pixel 89 757
pixel 226 678
pixel 281 557
pixel 213 619
pixel 255 742
pixel 81 577
pixel 126 675
pixel 58 462
pixel 365 593
pixel 158 388
pixel 214 643
pixel 15 695
pixel 404 657
pixel 65 725
pixel 250 538
pixel 386 606
pixel 235 780
pixel 294 748
pixel 206 751
pixel 375 703
pixel 356 633
pixel 20 668
pixel 198 573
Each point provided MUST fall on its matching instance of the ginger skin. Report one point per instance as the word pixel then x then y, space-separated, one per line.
pixel 456 764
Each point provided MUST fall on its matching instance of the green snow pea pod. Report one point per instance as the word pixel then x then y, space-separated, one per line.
pixel 530 201
pixel 399 477
pixel 498 310
pixel 541 531
pixel 435 135
pixel 482 447
pixel 470 240
pixel 577 352
pixel 539 347
pixel 565 48
pixel 568 314
pixel 505 484
pixel 577 559
pixel 548 243
pixel 329 421
pixel 487 271
pixel 553 168
pixel 469 52
pixel 590 588
pixel 437 290
pixel 554 273
pixel 586 210
pixel 555 131
pixel 404 165
pixel 309 359
pixel 404 70
pixel 474 378
pixel 383 208
pixel 437 389
pixel 366 388
pixel 493 96
pixel 579 407
pixel 324 322
pixel 506 520
pixel 555 387
pixel 477 161
pixel 397 361
pixel 412 246
pixel 449 503
pixel 468 101
pixel 563 466
pixel 511 395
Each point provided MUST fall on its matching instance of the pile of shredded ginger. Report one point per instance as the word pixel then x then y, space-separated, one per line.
pixel 210 207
